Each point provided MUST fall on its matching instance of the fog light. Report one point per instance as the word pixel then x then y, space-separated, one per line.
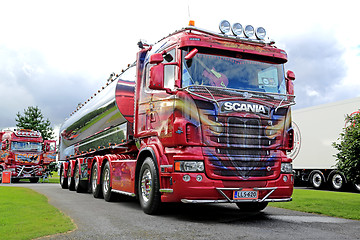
pixel 286 167
pixel 285 178
pixel 199 178
pixel 186 178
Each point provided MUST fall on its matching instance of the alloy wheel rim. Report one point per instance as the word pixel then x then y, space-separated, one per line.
pixel 146 185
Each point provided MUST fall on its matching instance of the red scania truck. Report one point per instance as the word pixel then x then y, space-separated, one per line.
pixel 200 117
pixel 24 153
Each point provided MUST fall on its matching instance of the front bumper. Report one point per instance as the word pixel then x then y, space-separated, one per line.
pixel 218 191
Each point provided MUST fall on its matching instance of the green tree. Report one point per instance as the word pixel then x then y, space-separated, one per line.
pixel 33 119
pixel 348 157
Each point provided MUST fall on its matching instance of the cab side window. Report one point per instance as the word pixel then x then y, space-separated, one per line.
pixel 169 70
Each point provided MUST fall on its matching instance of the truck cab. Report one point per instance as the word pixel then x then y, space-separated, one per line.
pixel 22 153
pixel 218 107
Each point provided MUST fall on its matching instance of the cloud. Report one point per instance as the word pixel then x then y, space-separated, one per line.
pixel 319 66
pixel 27 80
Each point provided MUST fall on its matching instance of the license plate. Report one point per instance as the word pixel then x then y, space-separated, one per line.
pixel 27 175
pixel 245 194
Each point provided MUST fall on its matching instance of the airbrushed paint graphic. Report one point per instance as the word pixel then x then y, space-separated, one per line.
pixel 49 157
pixel 239 144
pixel 27 158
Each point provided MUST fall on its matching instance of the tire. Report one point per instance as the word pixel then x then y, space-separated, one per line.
pixel 34 180
pixel 316 180
pixel 251 206
pixel 357 187
pixel 63 179
pixel 148 187
pixel 80 185
pixel 336 181
pixel 15 180
pixel 95 187
pixel 105 183
pixel 71 182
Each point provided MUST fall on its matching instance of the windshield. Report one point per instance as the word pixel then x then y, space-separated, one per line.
pixel 235 73
pixel 26 146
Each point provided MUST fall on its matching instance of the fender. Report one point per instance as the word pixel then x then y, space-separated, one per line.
pixel 72 166
pixel 65 166
pixel 79 161
pixel 99 160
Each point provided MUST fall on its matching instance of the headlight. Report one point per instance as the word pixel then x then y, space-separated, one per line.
pixel 236 29
pixel 249 31
pixel 260 33
pixel 189 166
pixel 224 26
pixel 286 168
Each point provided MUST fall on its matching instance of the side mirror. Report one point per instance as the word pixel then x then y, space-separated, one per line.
pixel 4 145
pixel 157 76
pixel 49 146
pixel 191 54
pixel 156 58
pixel 290 75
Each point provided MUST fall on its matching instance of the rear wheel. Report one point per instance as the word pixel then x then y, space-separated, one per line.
pixel 106 188
pixel 71 182
pixel 95 187
pixel 63 179
pixel 357 186
pixel 251 206
pixel 316 180
pixel 337 181
pixel 148 187
pixel 80 185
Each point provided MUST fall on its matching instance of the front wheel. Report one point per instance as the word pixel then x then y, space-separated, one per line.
pixel 34 180
pixel 251 206
pixel 148 187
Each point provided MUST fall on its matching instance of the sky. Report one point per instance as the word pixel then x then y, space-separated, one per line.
pixel 56 54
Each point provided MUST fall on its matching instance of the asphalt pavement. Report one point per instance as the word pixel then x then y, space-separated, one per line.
pixel 97 219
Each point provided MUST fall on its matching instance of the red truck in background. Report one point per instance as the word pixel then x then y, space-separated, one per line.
pixel 200 117
pixel 25 154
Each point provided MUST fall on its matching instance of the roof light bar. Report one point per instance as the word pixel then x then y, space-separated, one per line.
pixel 237 29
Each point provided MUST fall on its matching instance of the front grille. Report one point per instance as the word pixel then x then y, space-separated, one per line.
pixel 240 149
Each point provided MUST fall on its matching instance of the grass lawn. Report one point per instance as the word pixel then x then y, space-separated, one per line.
pixel 335 204
pixel 26 214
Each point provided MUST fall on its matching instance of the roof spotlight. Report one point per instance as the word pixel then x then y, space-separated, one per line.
pixel 224 26
pixel 236 29
pixel 249 31
pixel 260 33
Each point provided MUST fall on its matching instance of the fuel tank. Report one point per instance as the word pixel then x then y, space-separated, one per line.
pixel 105 119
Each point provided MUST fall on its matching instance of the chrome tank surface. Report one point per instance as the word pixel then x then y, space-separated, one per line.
pixel 105 119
